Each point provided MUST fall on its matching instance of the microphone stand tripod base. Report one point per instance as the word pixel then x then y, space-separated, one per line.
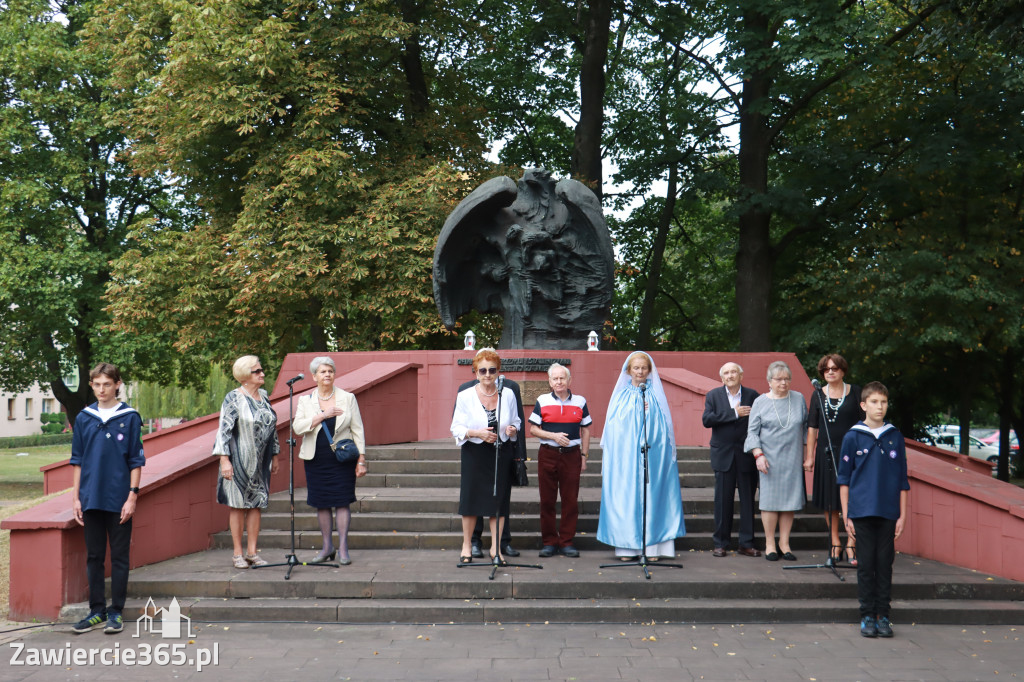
pixel 291 561
pixel 643 562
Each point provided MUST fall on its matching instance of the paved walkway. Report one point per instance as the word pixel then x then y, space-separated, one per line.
pixel 303 651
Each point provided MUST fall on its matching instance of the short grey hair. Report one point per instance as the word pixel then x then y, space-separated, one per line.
pixel 558 365
pixel 722 370
pixel 778 366
pixel 315 363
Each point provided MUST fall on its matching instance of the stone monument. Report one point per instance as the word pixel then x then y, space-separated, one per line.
pixel 537 252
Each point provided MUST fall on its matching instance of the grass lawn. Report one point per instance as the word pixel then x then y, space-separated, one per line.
pixel 21 486
pixel 20 477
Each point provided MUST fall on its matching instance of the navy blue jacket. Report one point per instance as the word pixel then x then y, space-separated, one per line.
pixel 875 469
pixel 727 430
pixel 107 452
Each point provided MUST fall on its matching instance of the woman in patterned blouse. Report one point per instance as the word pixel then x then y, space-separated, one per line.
pixel 247 446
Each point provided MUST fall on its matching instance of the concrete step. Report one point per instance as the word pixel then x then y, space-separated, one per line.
pixel 453 467
pixel 522 524
pixel 553 611
pixel 525 501
pixel 452 480
pixel 447 450
pixel 412 540
pixel 428 587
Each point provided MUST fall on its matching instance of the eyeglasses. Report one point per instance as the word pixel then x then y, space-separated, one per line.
pixel 832 369
pixel 258 370
pixel 487 370
pixel 786 379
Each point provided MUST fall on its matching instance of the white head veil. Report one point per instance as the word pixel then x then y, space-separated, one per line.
pixel 654 390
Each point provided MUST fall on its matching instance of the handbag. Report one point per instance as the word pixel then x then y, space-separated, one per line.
pixel 519 477
pixel 346 451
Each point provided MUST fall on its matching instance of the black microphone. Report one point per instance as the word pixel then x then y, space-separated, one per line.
pixel 501 382
pixel 815 383
pixel 294 379
pixel 643 388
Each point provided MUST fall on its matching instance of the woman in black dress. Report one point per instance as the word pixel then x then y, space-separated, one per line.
pixel 481 417
pixel 323 417
pixel 836 405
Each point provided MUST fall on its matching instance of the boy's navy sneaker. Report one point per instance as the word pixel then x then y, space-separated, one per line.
pixel 114 623
pixel 884 627
pixel 868 627
pixel 91 622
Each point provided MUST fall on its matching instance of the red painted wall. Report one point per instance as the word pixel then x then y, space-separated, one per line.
pixel 959 514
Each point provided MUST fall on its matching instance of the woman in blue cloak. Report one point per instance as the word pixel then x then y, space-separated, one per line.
pixel 638 402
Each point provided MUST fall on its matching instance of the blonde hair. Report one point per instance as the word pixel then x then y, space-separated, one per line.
pixel 639 354
pixel 242 369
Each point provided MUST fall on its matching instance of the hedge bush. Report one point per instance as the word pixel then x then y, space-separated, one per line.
pixel 36 440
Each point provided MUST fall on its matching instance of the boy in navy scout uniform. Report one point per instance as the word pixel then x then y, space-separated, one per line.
pixel 873 490
pixel 106 460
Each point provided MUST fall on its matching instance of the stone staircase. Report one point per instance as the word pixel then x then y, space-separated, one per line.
pixel 405 540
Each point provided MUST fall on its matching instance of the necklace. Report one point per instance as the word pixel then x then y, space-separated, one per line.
pixel 249 393
pixel 789 411
pixel 832 411
pixel 327 397
pixel 487 395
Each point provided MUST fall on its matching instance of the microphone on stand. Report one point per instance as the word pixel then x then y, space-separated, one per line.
pixel 815 383
pixel 501 382
pixel 643 388
pixel 297 378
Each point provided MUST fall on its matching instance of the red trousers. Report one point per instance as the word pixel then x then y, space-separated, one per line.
pixel 558 474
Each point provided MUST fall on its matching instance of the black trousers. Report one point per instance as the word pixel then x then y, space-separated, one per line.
pixel 726 485
pixel 99 527
pixel 876 550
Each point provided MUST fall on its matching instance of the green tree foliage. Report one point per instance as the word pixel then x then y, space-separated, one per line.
pixel 920 277
pixel 67 198
pixel 325 143
pixel 154 401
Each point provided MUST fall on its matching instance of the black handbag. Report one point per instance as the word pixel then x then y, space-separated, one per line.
pixel 519 477
pixel 346 451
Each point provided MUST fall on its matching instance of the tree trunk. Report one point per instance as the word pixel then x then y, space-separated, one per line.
pixel 1006 415
pixel 412 61
pixel 316 330
pixel 644 340
pixel 965 405
pixel 755 258
pixel 586 151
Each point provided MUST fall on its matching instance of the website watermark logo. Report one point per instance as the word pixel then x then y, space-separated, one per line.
pixel 167 622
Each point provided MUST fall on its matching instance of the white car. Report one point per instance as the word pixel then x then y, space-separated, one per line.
pixel 946 438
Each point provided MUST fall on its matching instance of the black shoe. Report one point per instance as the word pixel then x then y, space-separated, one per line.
pixel 507 550
pixel 868 627
pixel 477 552
pixel 547 551
pixel 884 627
pixel 570 551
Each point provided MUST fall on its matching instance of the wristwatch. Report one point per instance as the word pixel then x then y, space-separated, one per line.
pixel 134 489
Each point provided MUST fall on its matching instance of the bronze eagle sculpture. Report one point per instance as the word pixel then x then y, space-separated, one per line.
pixel 537 252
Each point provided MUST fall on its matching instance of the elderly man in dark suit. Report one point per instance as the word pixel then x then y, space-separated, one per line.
pixel 726 412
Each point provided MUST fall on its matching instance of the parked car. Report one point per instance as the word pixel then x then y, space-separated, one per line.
pixel 994 440
pixel 947 439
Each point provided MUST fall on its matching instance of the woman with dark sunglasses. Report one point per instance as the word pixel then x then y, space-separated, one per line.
pixel 835 408
pixel 481 418
pixel 247 446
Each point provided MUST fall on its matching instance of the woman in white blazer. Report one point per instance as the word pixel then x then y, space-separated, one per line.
pixel 477 424
pixel 322 417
